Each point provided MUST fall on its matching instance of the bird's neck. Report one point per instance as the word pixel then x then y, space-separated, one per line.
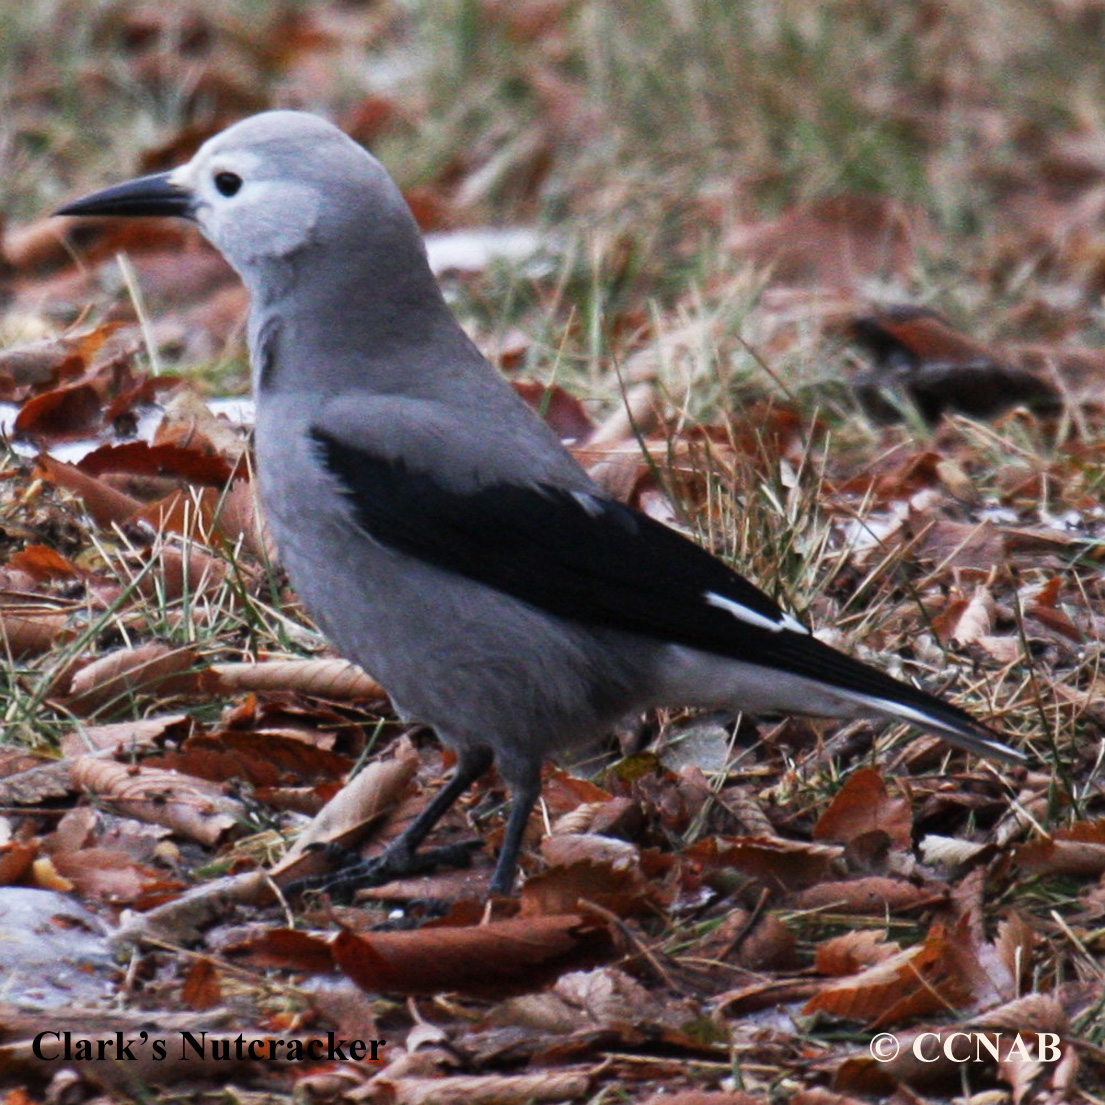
pixel 373 323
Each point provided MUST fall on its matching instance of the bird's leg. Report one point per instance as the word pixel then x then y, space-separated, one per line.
pixel 401 858
pixel 523 797
pixel 471 764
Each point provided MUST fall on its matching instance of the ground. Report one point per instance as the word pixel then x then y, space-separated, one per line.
pixel 820 283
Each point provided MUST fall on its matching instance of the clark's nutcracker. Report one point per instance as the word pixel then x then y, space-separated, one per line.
pixel 435 528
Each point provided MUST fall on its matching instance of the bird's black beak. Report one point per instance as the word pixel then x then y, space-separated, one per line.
pixel 148 195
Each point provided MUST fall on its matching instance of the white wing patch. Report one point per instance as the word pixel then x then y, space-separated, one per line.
pixel 592 504
pixel 776 625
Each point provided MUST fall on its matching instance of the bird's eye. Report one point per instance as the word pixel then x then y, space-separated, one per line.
pixel 227 183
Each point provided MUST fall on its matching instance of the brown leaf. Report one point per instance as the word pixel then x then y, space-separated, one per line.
pixel 191 807
pixel 619 887
pixel 74 831
pixel 1079 850
pixel 22 636
pixel 1032 1013
pixel 965 621
pixel 16 860
pixel 201 989
pixel 559 408
pixel 179 572
pixel 863 805
pixel 919 356
pixel 147 669
pixel 852 952
pixel 113 876
pixel 128 736
pixel 346 817
pixel 262 757
pixel 1015 942
pixel 137 458
pixel 107 506
pixel 333 679
pixel 785 864
pixel 960 545
pixel 933 977
pixel 287 949
pixel 872 896
pixel 44 563
pixel 770 946
pixel 489 960
pixel 28 369
pixel 61 414
pixel 833 243
pixel 189 425
pixel 488 1089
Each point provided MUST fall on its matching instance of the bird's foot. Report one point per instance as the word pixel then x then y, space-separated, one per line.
pixel 352 873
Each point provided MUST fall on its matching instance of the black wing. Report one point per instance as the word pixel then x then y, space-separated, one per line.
pixel 593 560
pixel 576 555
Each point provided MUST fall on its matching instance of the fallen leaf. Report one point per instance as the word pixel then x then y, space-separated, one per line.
pixel 784 864
pixel 863 805
pixel 44 563
pixel 1079 850
pixel 346 817
pixel 201 989
pixel 872 896
pixel 107 506
pixel 932 977
pixel 191 807
pixel 332 679
pixel 919 357
pixel 22 636
pixel 61 414
pixel 128 736
pixel 146 669
pixel 489 960
pixel 852 952
pixel 618 886
pixel 833 243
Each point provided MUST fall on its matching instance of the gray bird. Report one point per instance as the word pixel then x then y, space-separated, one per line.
pixel 435 528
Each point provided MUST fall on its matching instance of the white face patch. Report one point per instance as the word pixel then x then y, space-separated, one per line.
pixel 784 621
pixel 267 218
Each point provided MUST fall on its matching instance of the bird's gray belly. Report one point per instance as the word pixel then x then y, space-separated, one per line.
pixel 477 665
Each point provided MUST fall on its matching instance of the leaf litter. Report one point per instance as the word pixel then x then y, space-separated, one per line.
pixel 730 917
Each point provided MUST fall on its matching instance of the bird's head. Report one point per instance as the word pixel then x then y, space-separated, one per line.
pixel 265 188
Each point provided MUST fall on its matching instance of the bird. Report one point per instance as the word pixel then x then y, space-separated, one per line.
pixel 436 530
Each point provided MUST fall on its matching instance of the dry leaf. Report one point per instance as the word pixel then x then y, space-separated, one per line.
pixel 347 816
pixel 107 506
pixel 1079 850
pixel 22 636
pixel 785 864
pixel 619 886
pixel 834 242
pixel 334 679
pixel 487 1089
pixel 863 805
pixel 126 736
pixel 191 807
pixel 146 669
pixel 490 960
pixel 852 952
pixel 932 977
pixel 872 896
